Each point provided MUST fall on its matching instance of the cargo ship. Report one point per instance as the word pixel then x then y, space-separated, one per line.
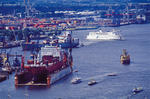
pixel 64 41
pixel 125 58
pixel 46 67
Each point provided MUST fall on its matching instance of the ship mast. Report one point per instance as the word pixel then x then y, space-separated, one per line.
pixel 27 8
pixel 128 11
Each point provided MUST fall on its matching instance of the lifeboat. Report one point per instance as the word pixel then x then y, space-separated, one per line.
pixel 125 57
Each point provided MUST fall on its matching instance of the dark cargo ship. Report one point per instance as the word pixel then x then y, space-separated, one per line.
pixel 64 41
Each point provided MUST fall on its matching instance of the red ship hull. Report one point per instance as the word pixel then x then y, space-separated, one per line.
pixel 44 72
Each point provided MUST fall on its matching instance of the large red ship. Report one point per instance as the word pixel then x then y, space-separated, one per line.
pixel 50 64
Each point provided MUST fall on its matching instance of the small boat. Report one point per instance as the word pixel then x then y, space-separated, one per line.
pixel 125 57
pixel 137 90
pixel 75 70
pixel 76 80
pixel 112 74
pixel 7 69
pixel 92 82
pixel 103 35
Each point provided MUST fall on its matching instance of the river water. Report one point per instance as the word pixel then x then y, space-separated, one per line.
pixel 94 61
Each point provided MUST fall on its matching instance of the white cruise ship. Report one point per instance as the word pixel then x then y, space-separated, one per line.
pixel 102 35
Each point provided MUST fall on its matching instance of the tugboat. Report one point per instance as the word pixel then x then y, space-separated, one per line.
pixel 125 58
pixel 46 67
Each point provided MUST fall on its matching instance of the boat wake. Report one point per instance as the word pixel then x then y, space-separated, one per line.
pixel 102 77
pixel 88 42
